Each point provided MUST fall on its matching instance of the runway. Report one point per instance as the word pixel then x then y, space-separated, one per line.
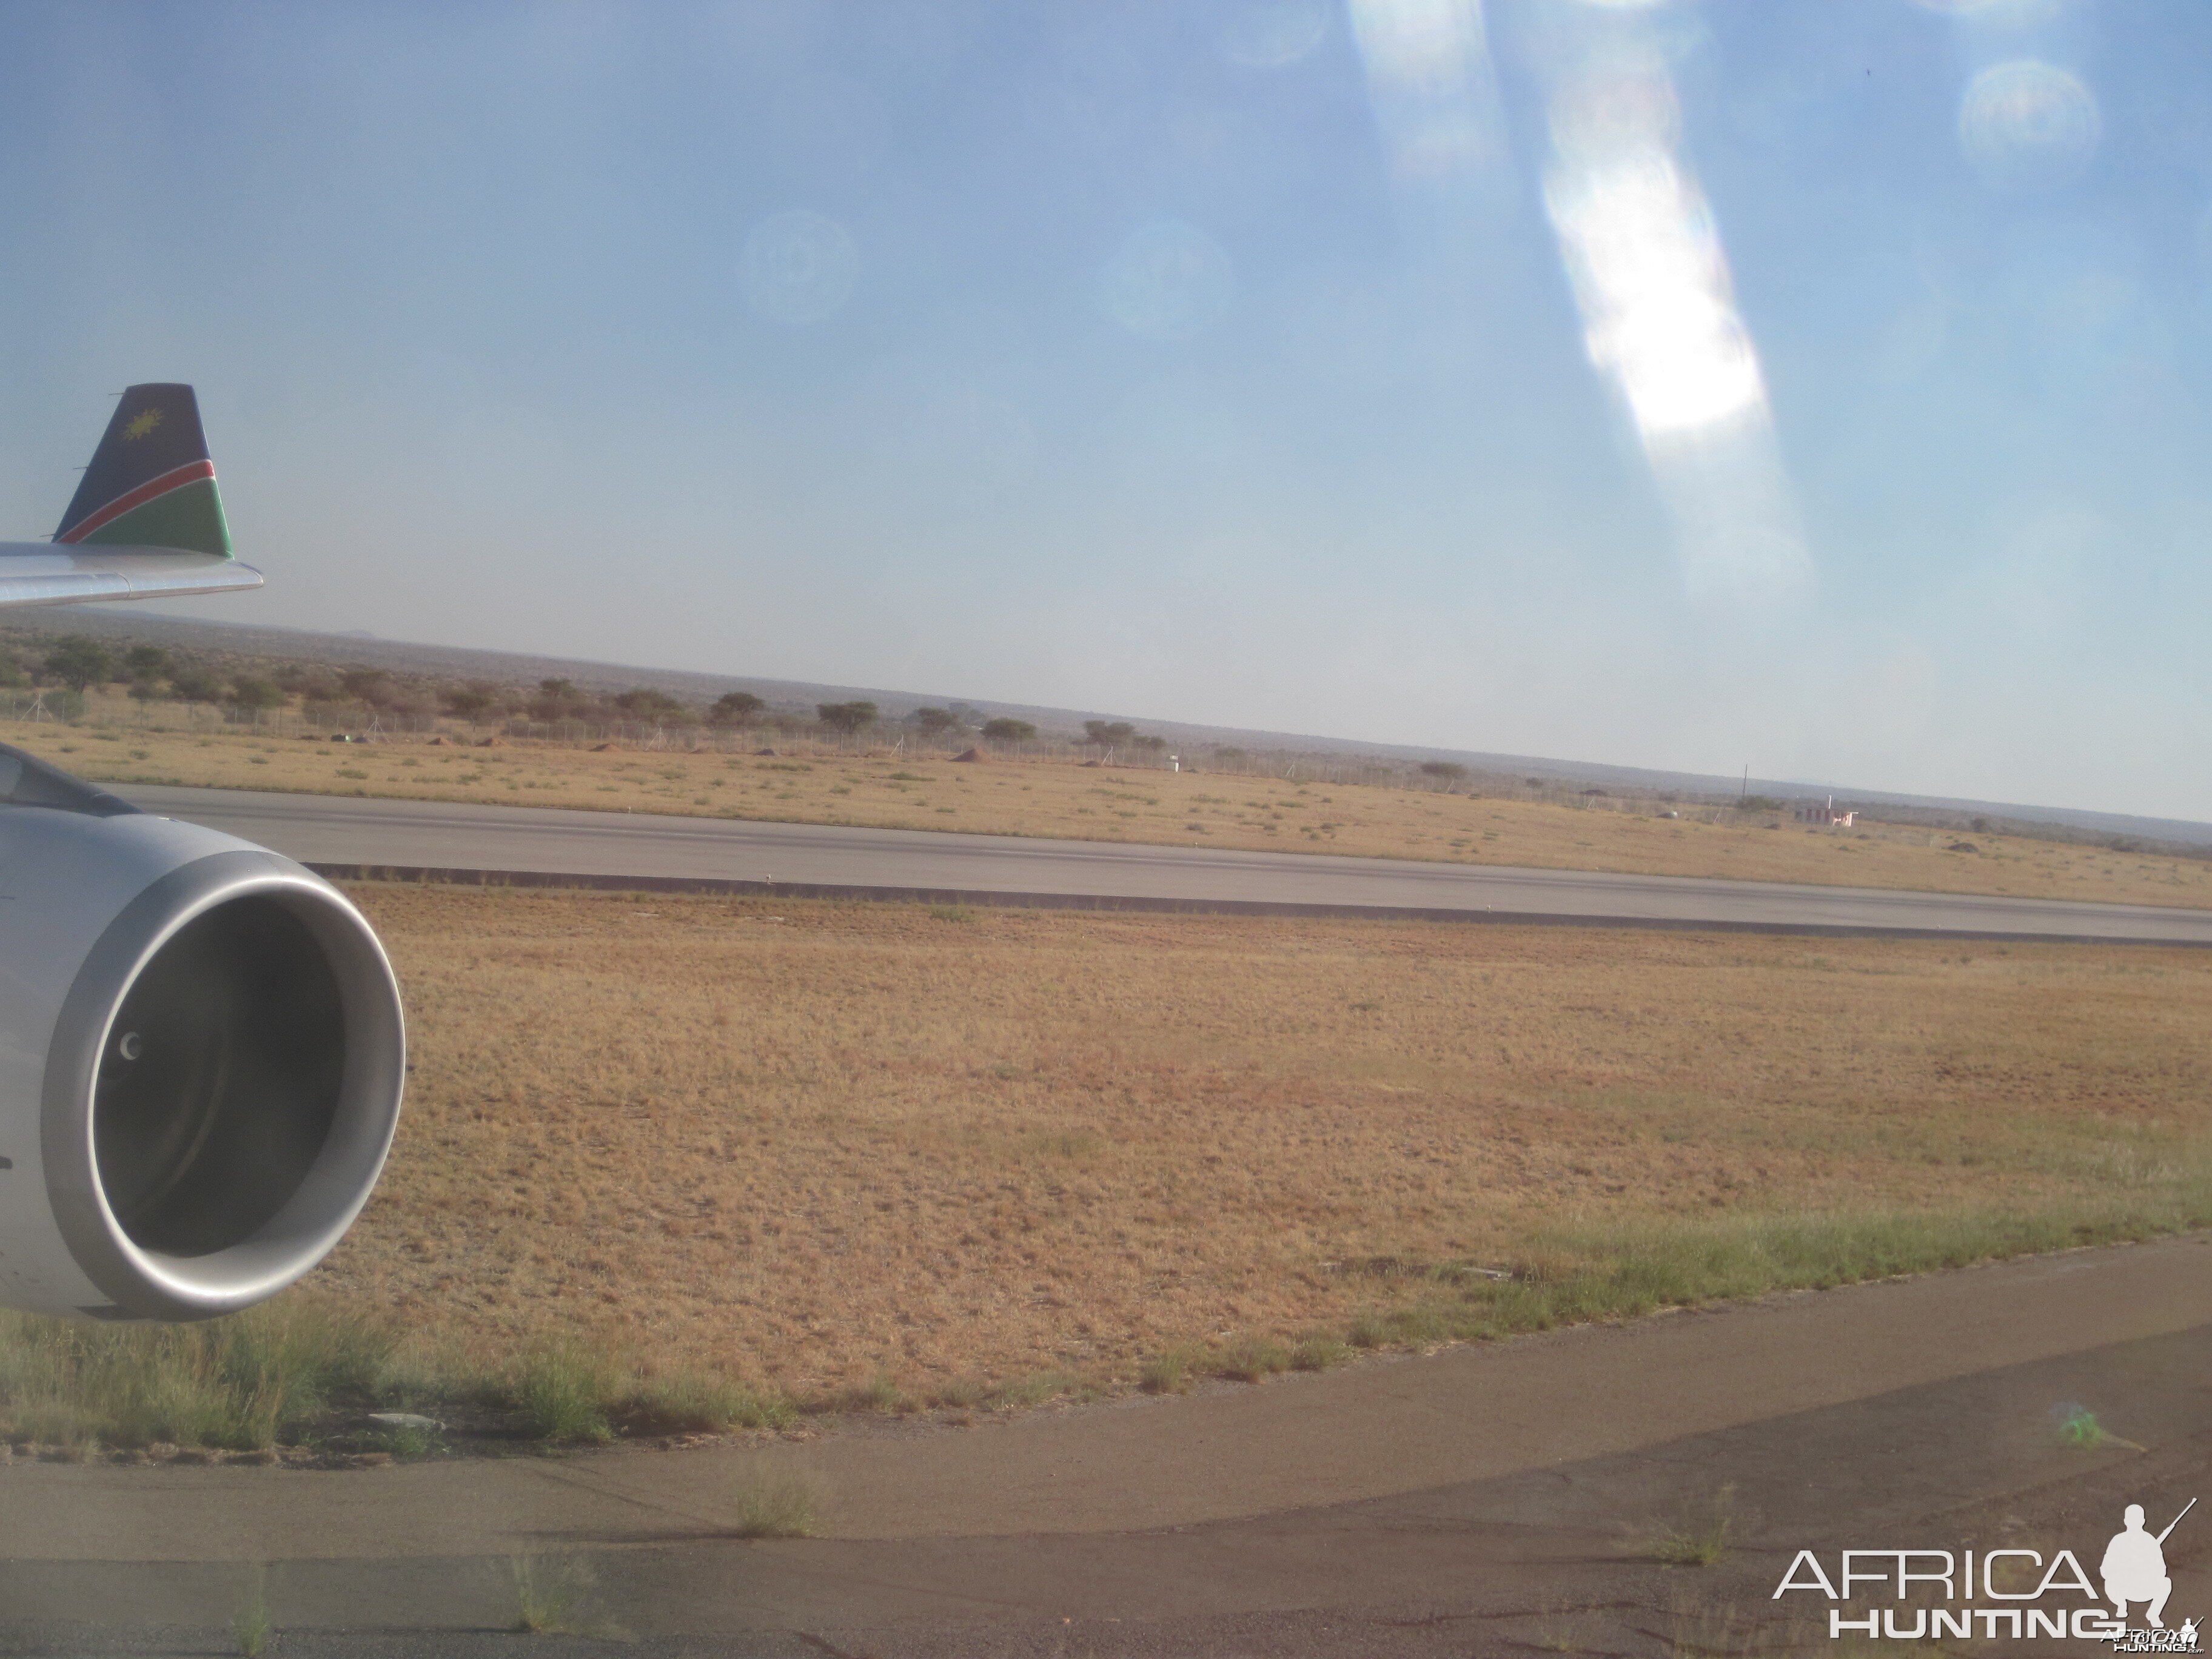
pixel 803 860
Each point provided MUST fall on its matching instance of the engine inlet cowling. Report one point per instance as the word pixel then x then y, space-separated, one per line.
pixel 219 1054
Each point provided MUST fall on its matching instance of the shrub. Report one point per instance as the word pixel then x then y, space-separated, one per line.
pixel 646 704
pixel 193 684
pixel 146 662
pixel 469 701
pixel 78 662
pixel 250 692
pixel 371 686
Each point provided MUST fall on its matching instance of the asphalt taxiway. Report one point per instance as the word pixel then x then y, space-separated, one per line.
pixel 1491 1498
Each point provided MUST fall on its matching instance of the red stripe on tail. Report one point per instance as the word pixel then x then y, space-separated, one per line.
pixel 175 478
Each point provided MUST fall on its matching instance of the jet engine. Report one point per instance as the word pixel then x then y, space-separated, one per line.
pixel 201 1054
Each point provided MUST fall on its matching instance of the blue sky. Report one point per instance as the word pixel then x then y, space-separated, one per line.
pixel 1126 358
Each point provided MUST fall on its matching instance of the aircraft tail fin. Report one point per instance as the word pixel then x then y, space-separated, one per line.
pixel 151 483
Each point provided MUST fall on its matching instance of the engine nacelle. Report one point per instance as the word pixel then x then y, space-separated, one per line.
pixel 201 1054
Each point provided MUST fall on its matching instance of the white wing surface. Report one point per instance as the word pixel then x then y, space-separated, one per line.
pixel 50 573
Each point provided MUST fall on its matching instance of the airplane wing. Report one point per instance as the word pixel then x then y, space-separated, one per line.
pixel 147 520
pixel 46 572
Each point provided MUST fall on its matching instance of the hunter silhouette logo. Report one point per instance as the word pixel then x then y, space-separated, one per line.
pixel 2134 1567
pixel 141 423
pixel 2007 1593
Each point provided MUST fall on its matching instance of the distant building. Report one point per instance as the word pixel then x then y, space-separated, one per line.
pixel 1825 812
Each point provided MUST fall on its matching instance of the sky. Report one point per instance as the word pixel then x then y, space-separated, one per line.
pixel 1817 388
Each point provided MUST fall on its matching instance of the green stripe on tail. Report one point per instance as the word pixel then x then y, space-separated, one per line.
pixel 188 517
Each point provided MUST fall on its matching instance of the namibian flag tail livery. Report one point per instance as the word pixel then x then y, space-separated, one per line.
pixel 150 484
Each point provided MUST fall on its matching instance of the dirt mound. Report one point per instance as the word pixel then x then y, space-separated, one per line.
pixel 969 755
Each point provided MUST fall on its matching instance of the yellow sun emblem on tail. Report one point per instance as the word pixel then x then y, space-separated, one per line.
pixel 143 422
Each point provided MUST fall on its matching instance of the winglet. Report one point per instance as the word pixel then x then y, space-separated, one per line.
pixel 150 484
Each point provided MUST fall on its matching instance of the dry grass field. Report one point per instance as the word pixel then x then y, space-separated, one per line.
pixel 816 1145
pixel 672 1164
pixel 1058 798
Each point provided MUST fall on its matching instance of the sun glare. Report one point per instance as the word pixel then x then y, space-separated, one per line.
pixel 1653 287
pixel 1641 248
pixel 1650 277
pixel 1429 81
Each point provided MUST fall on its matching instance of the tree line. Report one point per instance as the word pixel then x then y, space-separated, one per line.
pixel 149 673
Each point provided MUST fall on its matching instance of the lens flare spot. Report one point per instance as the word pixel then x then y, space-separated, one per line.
pixel 2028 126
pixel 799 267
pixel 1432 83
pixel 2011 12
pixel 1272 34
pixel 1169 282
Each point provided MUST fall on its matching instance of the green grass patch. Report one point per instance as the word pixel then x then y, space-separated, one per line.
pixel 298 1368
pixel 573 1392
pixel 1040 1388
pixel 700 1402
pixel 1317 1351
pixel 1252 1359
pixel 880 1393
pixel 1172 1369
pixel 250 1628
pixel 1578 1274
pixel 781 1506
pixel 961 1393
pixel 240 1383
pixel 1697 1538
pixel 568 1390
